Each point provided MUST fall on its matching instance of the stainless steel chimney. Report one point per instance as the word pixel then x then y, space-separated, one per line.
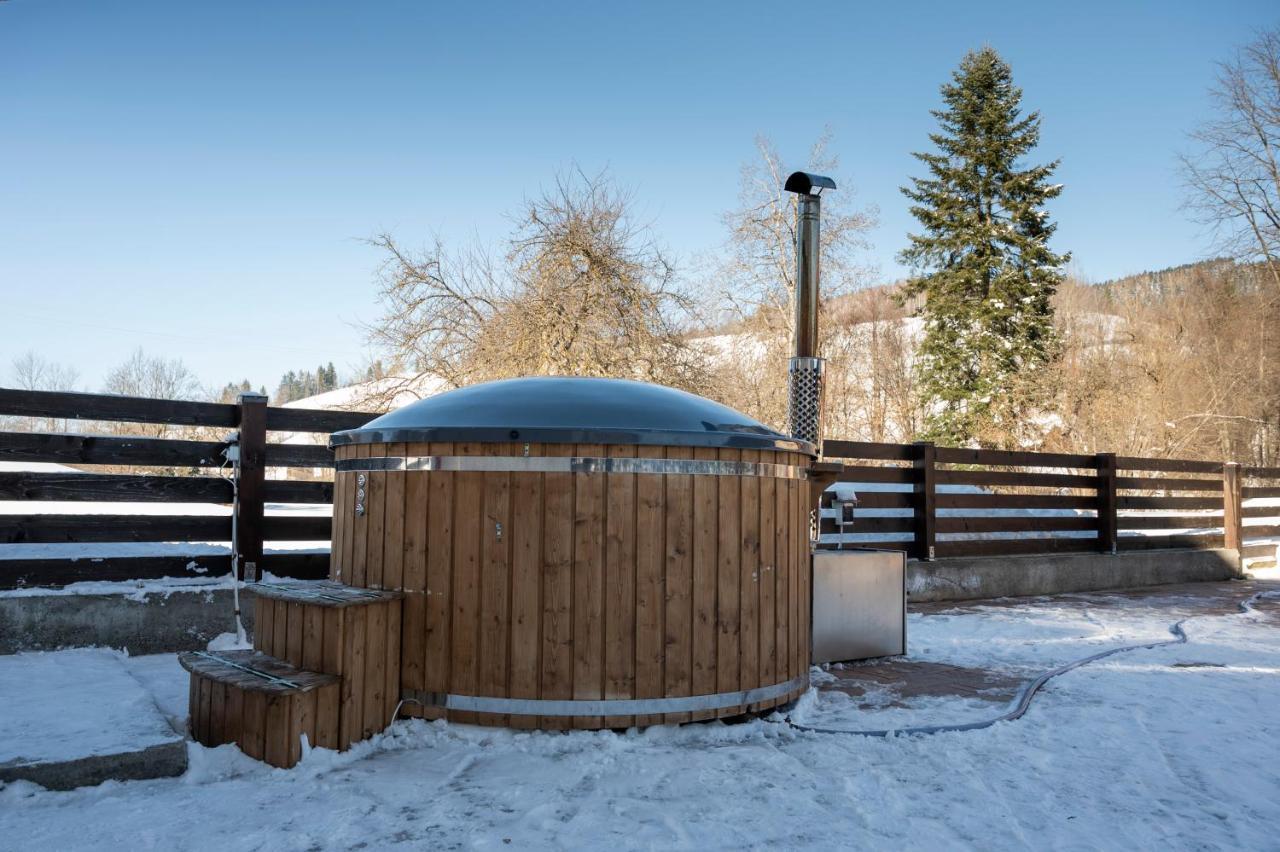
pixel 804 401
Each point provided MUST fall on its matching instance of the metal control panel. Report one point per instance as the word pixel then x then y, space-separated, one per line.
pixel 859 604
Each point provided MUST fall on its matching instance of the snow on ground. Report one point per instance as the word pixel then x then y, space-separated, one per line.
pixel 111 711
pixel 1170 747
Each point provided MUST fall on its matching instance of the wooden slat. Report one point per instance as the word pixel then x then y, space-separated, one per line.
pixel 495 579
pixel 1012 546
pixel 1168 465
pixel 1152 483
pixel 467 554
pixel 299 455
pixel 327 702
pixel 869 545
pixel 1012 458
pixel 113 487
pixel 1015 478
pixel 1261 472
pixel 357 566
pixel 526 588
pixel 19 573
pixel 355 644
pixel 1165 522
pixel 93 406
pixel 1261 530
pixel 375 524
pixel 557 584
pixel 951 524
pixel 1260 512
pixel 253 724
pixel 393 526
pixel 728 614
pixel 1253 492
pixel 784 554
pixel 315 420
pixel 886 500
pixel 650 564
pixel 391 665
pixel 375 670
pixel 749 578
pixel 1015 501
pixel 45 529
pixel 768 582
pixel 295 528
pixel 862 524
pixel 866 450
pixel 102 449
pixel 1134 502
pixel 1170 542
pixel 678 618
pixel 620 586
pixel 588 586
pixel 285 491
pixel 277 730
pixel 853 473
pixel 705 570
pixel 439 593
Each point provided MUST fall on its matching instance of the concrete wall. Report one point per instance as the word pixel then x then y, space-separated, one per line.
pixel 181 621
pixel 1047 574
pixel 176 621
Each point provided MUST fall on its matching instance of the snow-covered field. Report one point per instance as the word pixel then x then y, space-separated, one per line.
pixel 1166 748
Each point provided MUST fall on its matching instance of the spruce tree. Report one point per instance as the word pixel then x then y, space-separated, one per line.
pixel 982 260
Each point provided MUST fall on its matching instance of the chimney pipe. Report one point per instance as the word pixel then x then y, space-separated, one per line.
pixel 804 398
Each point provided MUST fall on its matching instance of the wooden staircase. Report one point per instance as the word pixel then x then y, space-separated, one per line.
pixel 325 665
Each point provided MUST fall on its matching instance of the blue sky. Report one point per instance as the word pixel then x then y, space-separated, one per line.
pixel 197 179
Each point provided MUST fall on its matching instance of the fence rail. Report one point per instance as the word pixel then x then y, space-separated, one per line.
pixel 163 494
pixel 141 507
pixel 935 502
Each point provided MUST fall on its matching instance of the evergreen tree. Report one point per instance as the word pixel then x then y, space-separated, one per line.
pixel 982 261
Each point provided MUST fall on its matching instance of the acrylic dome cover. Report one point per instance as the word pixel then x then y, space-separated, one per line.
pixel 565 410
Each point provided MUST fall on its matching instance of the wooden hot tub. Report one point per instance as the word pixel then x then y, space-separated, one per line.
pixel 581 553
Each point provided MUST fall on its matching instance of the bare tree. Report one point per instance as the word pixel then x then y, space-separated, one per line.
pixel 153 376
pixel 35 372
pixel 756 287
pixel 1235 178
pixel 581 289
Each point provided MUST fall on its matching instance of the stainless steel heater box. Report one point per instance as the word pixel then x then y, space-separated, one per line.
pixel 859 604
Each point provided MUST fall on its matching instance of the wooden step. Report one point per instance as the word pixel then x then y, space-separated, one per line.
pixel 262 704
pixel 341 630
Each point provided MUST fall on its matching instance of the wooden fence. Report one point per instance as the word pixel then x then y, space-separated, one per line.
pixel 941 501
pixel 191 475
pixel 176 489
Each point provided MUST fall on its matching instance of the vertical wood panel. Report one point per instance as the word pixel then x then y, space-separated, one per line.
pixel 557 587
pixel 233 715
pixel 439 602
pixel 352 712
pixel 280 637
pixel 303 724
pixel 394 524
pixel 327 699
pixel 650 595
pixel 678 620
pixel 347 512
pixel 706 534
pixel 360 526
pixel 588 585
pixel 340 481
pixel 293 642
pixel 749 566
pixel 782 577
pixel 263 624
pixel 526 588
pixel 391 692
pixel 375 668
pixel 276 733
pixel 313 638
pixel 728 613
pixel 768 576
pixel 376 521
pixel 495 580
pixel 334 641
pixel 620 586
pixel 255 712
pixel 413 610
pixel 465 633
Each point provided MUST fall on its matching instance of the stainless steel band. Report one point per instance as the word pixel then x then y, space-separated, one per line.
pixel 604 707
pixel 573 464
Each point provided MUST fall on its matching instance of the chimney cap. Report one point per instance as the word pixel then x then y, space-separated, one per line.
pixel 805 183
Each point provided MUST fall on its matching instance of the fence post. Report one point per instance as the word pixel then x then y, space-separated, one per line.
pixel 1232 512
pixel 926 502
pixel 1108 522
pixel 250 475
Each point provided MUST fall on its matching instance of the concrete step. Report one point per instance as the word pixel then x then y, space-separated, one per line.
pixel 77 718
